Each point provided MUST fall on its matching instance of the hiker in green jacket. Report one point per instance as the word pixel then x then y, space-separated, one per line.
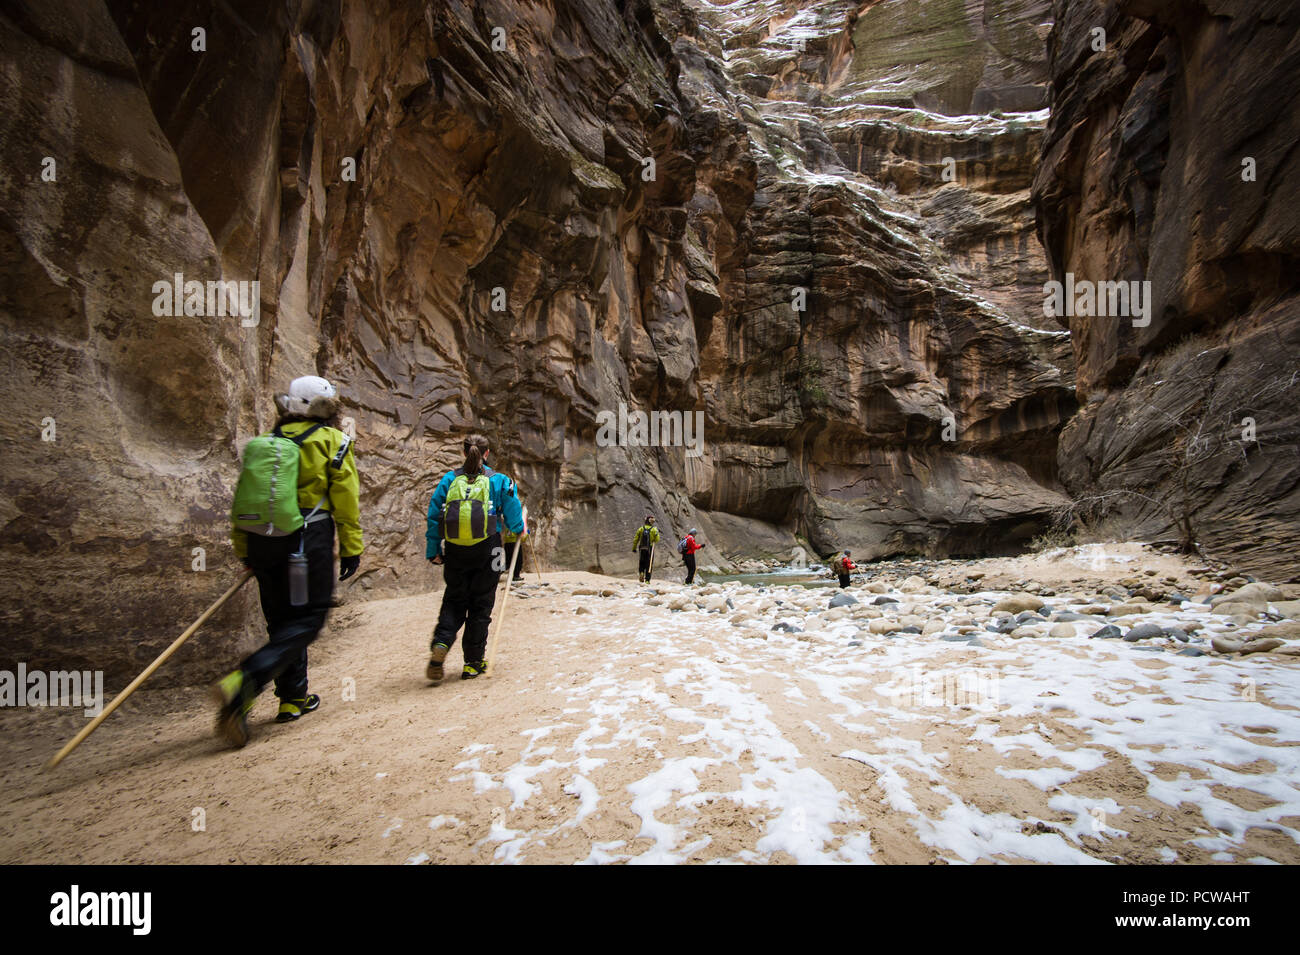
pixel 647 535
pixel 326 498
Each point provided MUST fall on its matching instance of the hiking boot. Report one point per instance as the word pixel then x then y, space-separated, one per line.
pixel 433 672
pixel 230 694
pixel 291 710
pixel 473 669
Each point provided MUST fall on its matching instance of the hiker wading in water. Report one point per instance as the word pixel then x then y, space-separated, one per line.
pixel 647 535
pixel 464 535
pixel 287 540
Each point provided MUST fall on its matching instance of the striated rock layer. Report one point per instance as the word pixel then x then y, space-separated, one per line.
pixel 1171 158
pixel 515 218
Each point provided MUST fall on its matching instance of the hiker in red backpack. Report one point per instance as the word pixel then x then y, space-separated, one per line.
pixel 687 548
pixel 843 567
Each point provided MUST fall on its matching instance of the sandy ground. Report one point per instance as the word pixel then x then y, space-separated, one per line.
pixel 617 729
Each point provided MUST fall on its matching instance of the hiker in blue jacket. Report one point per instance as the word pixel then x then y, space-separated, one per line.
pixel 464 535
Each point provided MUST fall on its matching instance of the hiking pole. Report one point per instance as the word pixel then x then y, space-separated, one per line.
pixel 496 631
pixel 148 671
pixel 649 572
pixel 537 558
pixel 537 562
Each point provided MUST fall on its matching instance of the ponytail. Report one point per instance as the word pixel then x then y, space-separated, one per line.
pixel 475 447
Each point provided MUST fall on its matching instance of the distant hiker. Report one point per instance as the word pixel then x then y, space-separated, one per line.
pixel 511 541
pixel 647 535
pixel 287 540
pixel 464 535
pixel 687 548
pixel 843 567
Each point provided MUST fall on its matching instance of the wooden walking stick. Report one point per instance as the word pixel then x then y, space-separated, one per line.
pixel 148 671
pixel 496 631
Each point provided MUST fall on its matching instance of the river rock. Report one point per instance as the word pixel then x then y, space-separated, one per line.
pixel 1262 644
pixel 1143 631
pixel 1018 604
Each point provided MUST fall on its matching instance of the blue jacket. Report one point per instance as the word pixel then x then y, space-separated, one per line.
pixel 502 493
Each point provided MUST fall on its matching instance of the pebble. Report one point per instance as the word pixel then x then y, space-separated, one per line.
pixel 1108 632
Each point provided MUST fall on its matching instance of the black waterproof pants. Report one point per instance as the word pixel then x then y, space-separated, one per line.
pixel 689 560
pixel 471 578
pixel 291 629
pixel 844 580
pixel 643 567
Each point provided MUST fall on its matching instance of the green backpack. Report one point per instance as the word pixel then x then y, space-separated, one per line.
pixel 266 498
pixel 468 516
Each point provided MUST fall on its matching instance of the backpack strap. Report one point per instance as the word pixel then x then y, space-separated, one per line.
pixel 337 461
pixel 298 439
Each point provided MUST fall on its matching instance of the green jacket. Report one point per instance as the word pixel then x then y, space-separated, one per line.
pixel 651 538
pixel 341 486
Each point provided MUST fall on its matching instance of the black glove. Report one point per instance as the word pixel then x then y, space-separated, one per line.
pixel 244 561
pixel 348 566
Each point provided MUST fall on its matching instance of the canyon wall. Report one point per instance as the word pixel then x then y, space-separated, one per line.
pixel 1171 157
pixel 512 218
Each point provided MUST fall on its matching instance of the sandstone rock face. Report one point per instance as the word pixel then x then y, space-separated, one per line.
pixel 1170 158
pixel 516 218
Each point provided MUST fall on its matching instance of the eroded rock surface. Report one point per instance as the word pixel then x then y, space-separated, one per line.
pixel 501 261
pixel 1170 157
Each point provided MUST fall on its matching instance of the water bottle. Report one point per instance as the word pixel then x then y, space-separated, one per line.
pixel 298 579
